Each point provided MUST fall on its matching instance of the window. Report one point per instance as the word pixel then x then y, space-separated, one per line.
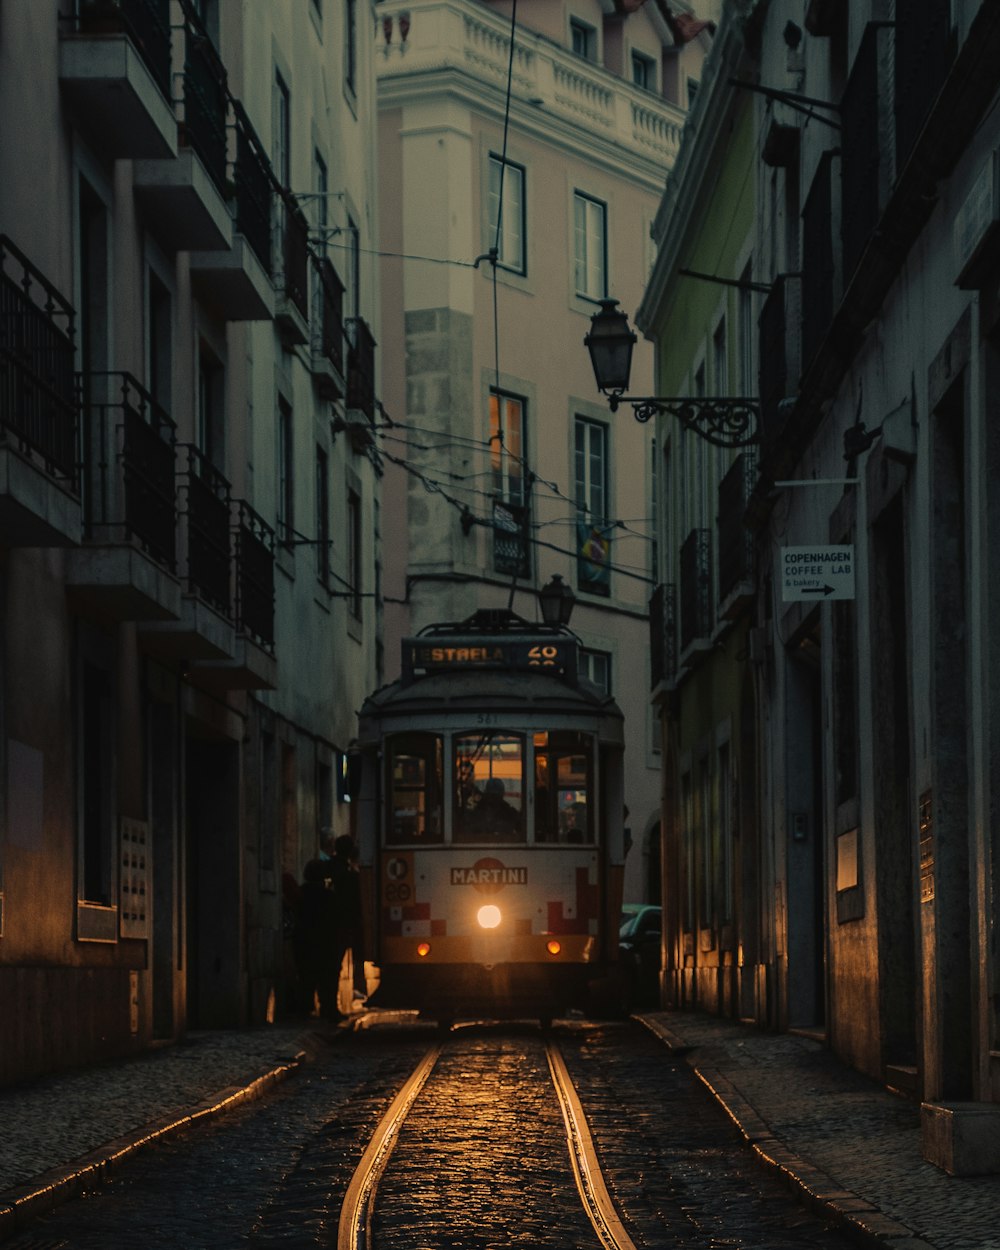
pixel 350 44
pixel 352 291
pixel 590 246
pixel 322 517
pixel 595 666
pixel 745 362
pixel 508 212
pixel 210 432
pixel 643 71
pixel 95 756
pixel 725 823
pixel 720 365
pixel 692 86
pixel 354 551
pixel 591 486
pixel 563 811
pixel 321 186
pixel 286 479
pixel 415 789
pixel 489 788
pixel 159 341
pixel 510 504
pixel 583 39
pixel 282 131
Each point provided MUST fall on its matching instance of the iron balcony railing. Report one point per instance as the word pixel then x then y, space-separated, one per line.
pixel 145 22
pixel 254 600
pixel 205 543
pixel 254 184
pixel 361 368
pixel 128 466
pixel 663 634
pixel 696 587
pixel 735 540
pixel 206 100
pixel 292 278
pixel 511 547
pixel 38 398
pixel 328 318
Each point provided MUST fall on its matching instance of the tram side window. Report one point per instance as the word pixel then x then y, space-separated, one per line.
pixel 416 787
pixel 489 788
pixel 563 810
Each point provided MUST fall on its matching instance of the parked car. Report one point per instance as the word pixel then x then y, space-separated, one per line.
pixel 639 955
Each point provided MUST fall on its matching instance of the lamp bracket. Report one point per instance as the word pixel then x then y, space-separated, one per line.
pixel 724 421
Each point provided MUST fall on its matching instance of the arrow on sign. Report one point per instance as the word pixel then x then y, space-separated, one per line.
pixel 817 590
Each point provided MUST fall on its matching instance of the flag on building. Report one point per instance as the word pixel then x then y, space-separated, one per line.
pixel 593 545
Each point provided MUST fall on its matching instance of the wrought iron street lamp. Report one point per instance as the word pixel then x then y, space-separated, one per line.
pixel 726 422
pixel 556 600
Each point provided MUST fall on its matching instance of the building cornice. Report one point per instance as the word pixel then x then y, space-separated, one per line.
pixel 556 97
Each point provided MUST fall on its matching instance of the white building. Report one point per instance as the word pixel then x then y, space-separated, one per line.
pixel 503 463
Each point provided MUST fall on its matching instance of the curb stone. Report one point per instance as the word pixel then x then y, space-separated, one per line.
pixel 23 1203
pixel 823 1195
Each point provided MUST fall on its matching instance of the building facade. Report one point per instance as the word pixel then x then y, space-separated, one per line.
pixel 868 659
pixel 188 501
pixel 521 167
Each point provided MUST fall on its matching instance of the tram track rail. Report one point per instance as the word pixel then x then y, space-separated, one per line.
pixel 356 1215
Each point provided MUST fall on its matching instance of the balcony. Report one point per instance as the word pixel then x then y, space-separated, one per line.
pixel 185 200
pixel 126 569
pixel 778 374
pixel 291 275
pixel 115 71
pixel 236 282
pixel 205 629
pixel 361 369
pixel 253 666
pixel 735 539
pixel 39 490
pixel 663 636
pixel 696 595
pixel 328 331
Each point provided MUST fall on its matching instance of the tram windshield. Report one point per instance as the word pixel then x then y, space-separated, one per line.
pixel 489 788
pixel 416 789
pixel 563 810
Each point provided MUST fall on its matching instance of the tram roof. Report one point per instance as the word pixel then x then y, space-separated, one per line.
pixel 528 693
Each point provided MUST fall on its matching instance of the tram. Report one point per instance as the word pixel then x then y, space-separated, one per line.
pixel 491 804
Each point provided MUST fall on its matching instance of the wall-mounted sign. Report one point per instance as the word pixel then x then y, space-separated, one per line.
pixel 817 573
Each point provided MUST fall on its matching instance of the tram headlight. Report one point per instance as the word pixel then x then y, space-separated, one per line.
pixel 423 949
pixel 553 947
pixel 489 916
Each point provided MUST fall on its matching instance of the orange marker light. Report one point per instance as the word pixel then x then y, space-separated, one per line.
pixel 554 947
pixel 423 949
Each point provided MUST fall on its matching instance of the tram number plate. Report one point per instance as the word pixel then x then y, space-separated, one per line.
pixel 397 892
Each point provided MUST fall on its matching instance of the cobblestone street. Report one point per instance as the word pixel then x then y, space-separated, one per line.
pixel 481 1163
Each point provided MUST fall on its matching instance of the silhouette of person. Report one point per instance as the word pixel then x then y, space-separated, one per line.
pixel 315 942
pixel 346 881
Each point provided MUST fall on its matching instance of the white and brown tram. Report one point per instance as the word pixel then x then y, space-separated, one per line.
pixel 491 810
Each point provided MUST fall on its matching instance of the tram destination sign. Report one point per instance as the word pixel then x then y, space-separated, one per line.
pixel 553 654
pixel 817 573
